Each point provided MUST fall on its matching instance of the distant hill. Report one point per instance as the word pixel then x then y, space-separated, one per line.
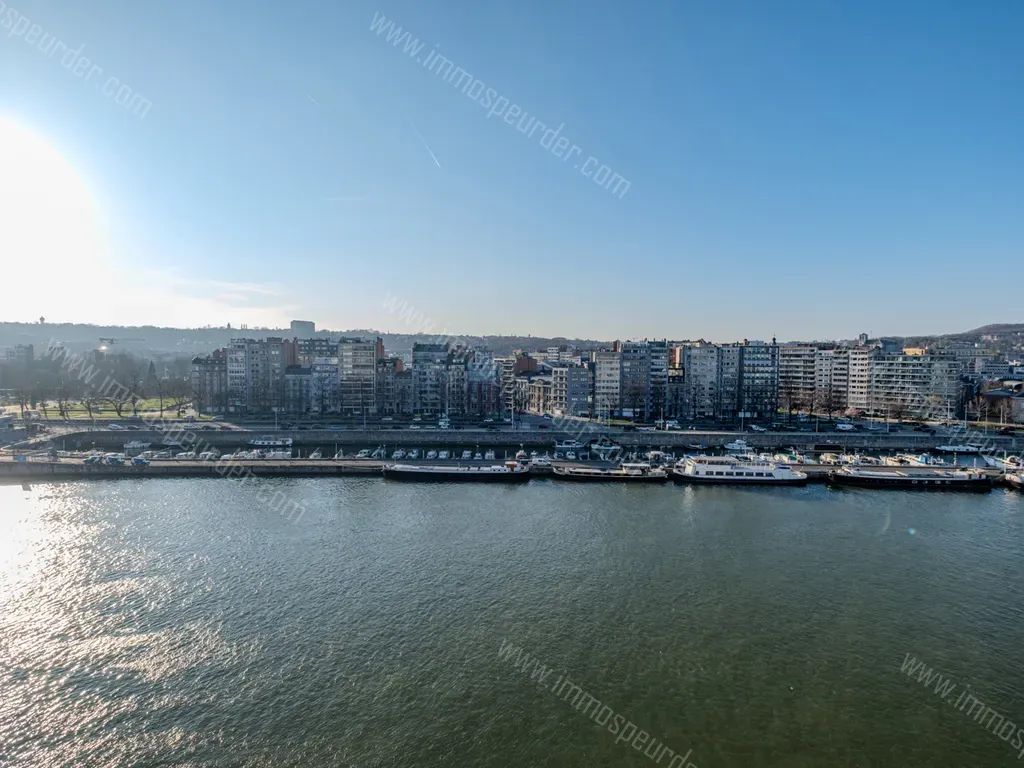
pixel 152 341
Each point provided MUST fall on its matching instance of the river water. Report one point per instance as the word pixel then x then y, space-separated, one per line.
pixel 183 622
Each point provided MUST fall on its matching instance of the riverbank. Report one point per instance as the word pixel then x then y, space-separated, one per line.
pixel 843 442
pixel 75 469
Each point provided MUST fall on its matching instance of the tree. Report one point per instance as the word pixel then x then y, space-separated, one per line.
pixel 180 393
pixel 90 401
pixel 63 394
pixel 41 394
pixel 633 396
pixel 1005 410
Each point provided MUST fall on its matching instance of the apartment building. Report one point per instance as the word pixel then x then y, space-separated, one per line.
pixel 255 373
pixel 913 385
pixel 730 377
pixel 429 377
pixel 324 386
pixel 540 394
pixel 858 391
pixel 20 354
pixel 700 394
pixel 357 376
pixel 388 371
pixel 297 389
pixel 643 378
pixel 759 381
pixel 307 350
pixel 209 381
pixel 570 390
pixel 797 376
pixel 606 371
pixel 831 380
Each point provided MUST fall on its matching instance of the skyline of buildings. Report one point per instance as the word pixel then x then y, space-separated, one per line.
pixel 643 380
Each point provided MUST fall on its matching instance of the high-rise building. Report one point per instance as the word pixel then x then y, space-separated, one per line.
pixel 606 367
pixel 831 380
pixel 324 386
pixel 797 376
pixel 357 376
pixel 430 385
pixel 570 390
pixel 209 381
pixel 303 328
pixel 913 385
pixel 297 389
pixel 255 371
pixel 759 384
pixel 308 349
pixel 388 370
pixel 700 399
pixel 644 378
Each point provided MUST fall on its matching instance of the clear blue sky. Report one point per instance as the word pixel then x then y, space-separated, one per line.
pixel 802 169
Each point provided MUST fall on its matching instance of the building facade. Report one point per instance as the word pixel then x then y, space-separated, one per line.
pixel 570 390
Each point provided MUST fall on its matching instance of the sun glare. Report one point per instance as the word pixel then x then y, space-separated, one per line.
pixel 50 227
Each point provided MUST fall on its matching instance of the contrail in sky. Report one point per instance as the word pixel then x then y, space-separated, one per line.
pixel 425 144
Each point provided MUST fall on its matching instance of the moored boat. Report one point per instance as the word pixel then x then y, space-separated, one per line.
pixel 739 445
pixel 269 441
pixel 922 460
pixel 939 480
pixel 1015 480
pixel 510 472
pixel 958 448
pixel 622 473
pixel 720 470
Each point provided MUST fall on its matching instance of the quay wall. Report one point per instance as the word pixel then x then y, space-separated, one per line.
pixel 804 441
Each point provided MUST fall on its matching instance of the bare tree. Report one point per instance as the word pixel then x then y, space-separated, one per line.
pixel 180 393
pixel 90 401
pixel 63 394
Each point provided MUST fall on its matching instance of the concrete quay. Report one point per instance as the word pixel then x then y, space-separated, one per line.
pixel 861 441
pixel 74 469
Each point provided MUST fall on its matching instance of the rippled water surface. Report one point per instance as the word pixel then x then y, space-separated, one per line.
pixel 182 622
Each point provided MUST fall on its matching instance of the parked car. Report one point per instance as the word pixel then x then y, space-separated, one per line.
pixel 115 427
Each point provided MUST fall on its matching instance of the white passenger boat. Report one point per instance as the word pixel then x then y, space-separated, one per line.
pixel 363 454
pixel 431 455
pixel 467 455
pixel 398 454
pixel 730 470
pixel 443 455
pixel 414 454
pixel 1016 480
